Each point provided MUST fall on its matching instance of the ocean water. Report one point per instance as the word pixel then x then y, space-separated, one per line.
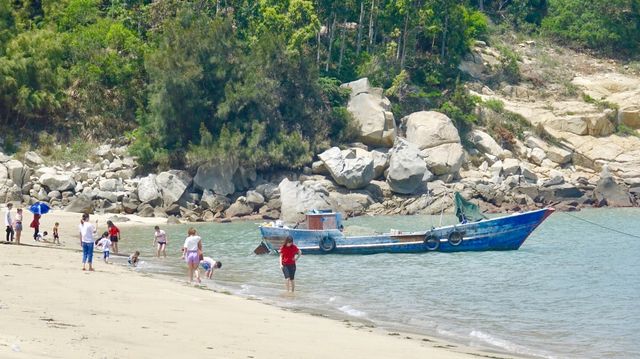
pixel 571 291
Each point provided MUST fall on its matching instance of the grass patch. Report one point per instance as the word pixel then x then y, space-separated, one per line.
pixel 601 104
pixel 624 130
pixel 505 126
pixel 76 151
pixel 494 105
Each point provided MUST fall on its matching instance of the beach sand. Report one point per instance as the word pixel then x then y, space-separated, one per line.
pixel 50 308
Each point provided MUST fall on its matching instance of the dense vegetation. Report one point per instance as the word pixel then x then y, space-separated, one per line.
pixel 256 79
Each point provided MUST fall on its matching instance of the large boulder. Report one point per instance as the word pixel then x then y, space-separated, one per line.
pixel 57 182
pixel 609 192
pixel 444 159
pixel 380 158
pixel 429 129
pixel 173 185
pixel 108 185
pixel 407 169
pixel 239 208
pixel 217 176
pixel 33 159
pixel 148 191
pixel 298 198
pixel 18 172
pixel 347 168
pixel 4 174
pixel 255 199
pixel 214 202
pixel 485 143
pixel 80 204
pixel 370 109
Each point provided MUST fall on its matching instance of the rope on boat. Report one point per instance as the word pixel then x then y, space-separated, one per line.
pixel 601 226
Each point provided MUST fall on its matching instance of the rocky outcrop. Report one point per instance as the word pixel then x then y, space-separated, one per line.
pixel 485 143
pixel 444 159
pixel 81 204
pixel 371 110
pixel 57 182
pixel 407 171
pixel 173 185
pixel 18 172
pixel 218 176
pixel 347 168
pixel 429 129
pixel 148 191
pixel 239 208
pixel 608 192
pixel 299 197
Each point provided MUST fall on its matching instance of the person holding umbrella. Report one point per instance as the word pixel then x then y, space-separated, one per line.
pixel 38 209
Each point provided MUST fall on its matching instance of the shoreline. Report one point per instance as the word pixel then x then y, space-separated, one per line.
pixel 37 321
pixel 38 256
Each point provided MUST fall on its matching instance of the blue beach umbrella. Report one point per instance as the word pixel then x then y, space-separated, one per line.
pixel 39 208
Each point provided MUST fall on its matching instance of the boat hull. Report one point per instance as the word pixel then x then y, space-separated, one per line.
pixel 502 233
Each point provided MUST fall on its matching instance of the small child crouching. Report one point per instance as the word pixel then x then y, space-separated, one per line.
pixel 133 259
pixel 210 265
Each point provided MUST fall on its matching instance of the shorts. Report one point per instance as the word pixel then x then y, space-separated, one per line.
pixel 206 266
pixel 18 226
pixel 162 243
pixel 289 271
pixel 114 239
pixel 55 236
pixel 193 257
pixel 105 254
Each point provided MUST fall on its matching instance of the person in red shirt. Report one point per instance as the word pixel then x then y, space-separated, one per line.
pixel 114 235
pixel 289 254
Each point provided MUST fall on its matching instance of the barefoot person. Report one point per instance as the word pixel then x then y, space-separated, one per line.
pixel 35 224
pixel 8 221
pixel 160 238
pixel 289 254
pixel 191 253
pixel 209 265
pixel 87 230
pixel 17 225
pixel 114 235
pixel 56 235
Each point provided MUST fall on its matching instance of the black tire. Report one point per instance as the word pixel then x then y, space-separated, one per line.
pixel 432 242
pixel 455 238
pixel 327 244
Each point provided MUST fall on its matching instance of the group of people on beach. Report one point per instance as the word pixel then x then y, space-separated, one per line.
pixel 14 227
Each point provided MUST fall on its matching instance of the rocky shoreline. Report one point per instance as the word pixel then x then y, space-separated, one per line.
pixel 406 167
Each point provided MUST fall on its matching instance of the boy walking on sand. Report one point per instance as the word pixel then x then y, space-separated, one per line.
pixel 8 221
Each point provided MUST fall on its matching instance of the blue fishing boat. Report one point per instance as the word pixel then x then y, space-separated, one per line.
pixel 322 233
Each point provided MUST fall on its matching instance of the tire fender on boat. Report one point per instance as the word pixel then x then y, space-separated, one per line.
pixel 455 238
pixel 431 241
pixel 327 243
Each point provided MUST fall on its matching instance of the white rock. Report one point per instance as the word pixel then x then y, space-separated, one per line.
pixel 444 159
pixel 347 168
pixel 428 129
pixel 537 156
pixel 485 143
pixel 407 169
pixel 148 191
pixel 33 159
pixel 173 185
pixel 57 182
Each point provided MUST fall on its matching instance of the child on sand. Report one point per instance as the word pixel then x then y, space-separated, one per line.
pixel 114 235
pixel 160 237
pixel 210 265
pixel 56 235
pixel 41 237
pixel 133 259
pixel 105 243
pixel 289 253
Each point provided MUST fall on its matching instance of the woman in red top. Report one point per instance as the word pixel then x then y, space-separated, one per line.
pixel 114 235
pixel 35 224
pixel 289 253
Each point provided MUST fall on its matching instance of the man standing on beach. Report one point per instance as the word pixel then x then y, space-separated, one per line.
pixel 87 230
pixel 8 221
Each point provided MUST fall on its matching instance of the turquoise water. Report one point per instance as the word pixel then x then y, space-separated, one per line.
pixel 571 291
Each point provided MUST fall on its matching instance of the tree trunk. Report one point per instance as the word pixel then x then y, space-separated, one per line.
pixel 342 43
pixel 373 2
pixel 404 40
pixel 481 5
pixel 444 37
pixel 318 44
pixel 333 28
pixel 358 46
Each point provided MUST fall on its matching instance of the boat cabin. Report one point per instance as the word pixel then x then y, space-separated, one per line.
pixel 319 220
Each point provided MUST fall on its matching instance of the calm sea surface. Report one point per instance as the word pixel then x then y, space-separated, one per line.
pixel 571 291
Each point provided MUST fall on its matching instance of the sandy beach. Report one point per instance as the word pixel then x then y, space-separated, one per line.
pixel 50 308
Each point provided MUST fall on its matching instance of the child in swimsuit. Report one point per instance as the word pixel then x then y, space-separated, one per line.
pixel 56 236
pixel 133 259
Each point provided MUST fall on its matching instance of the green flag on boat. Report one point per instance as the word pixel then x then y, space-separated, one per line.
pixel 467 211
